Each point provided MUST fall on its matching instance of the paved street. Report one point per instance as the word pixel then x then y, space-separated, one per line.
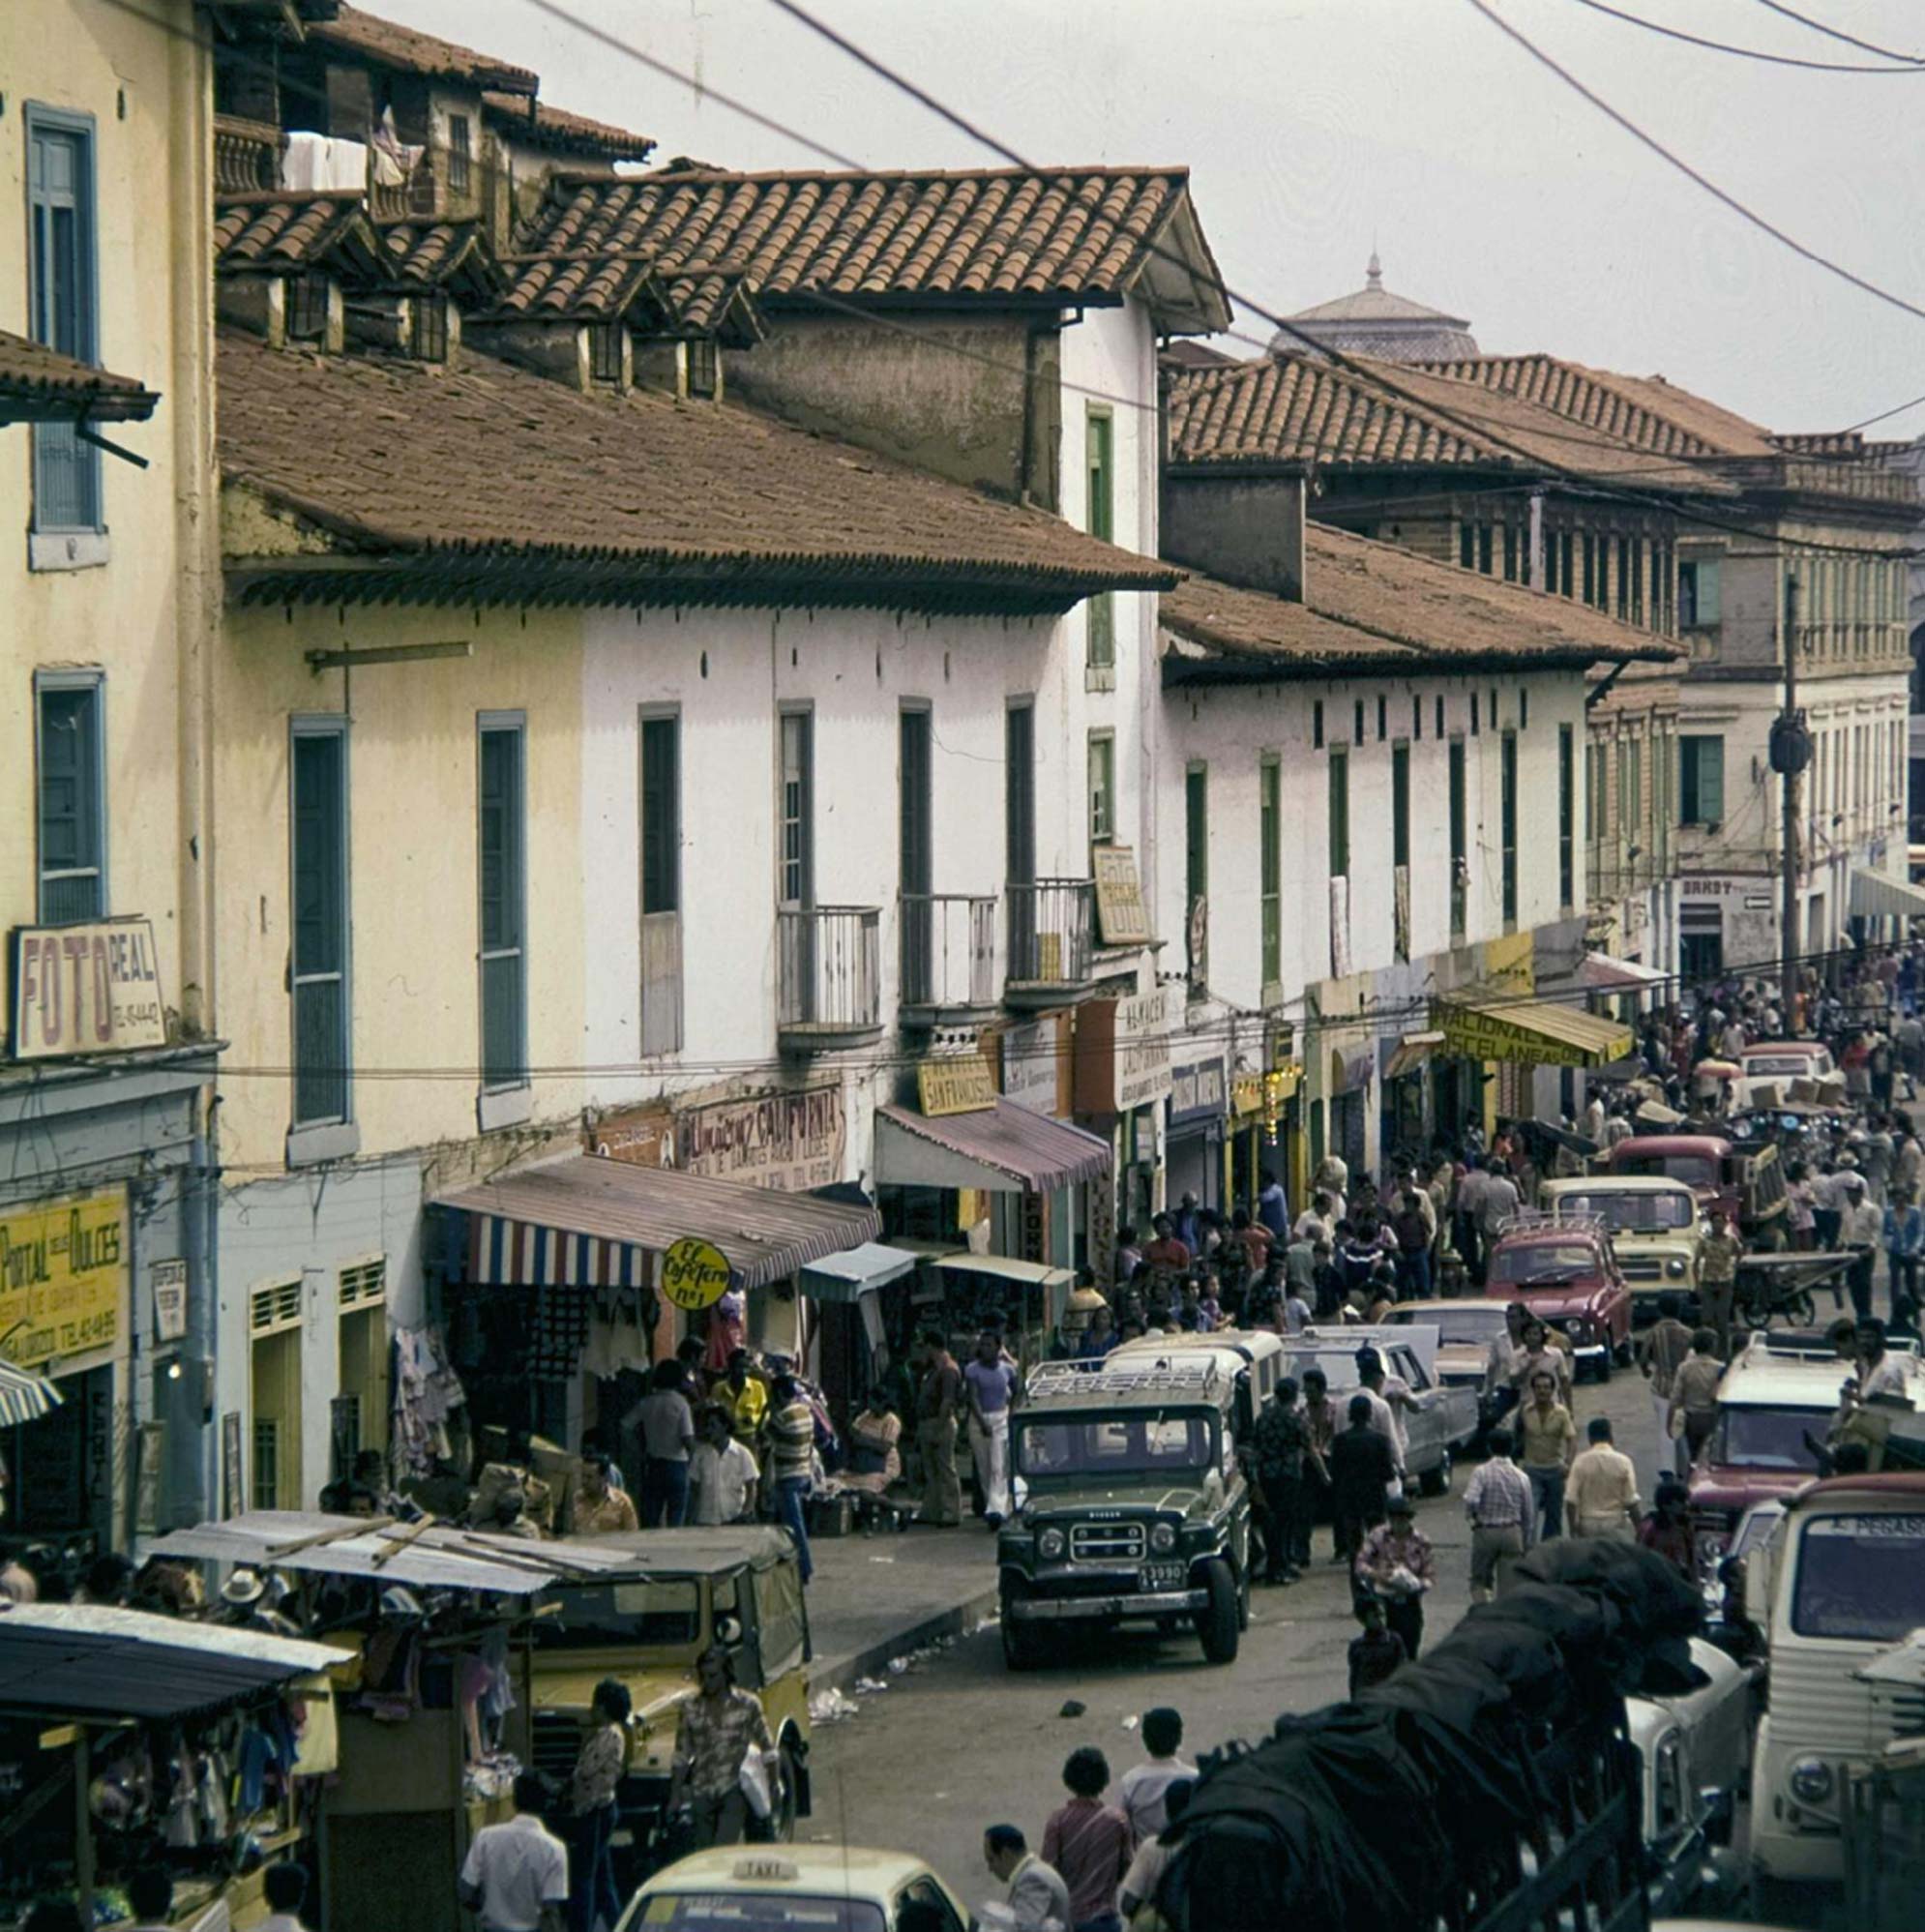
pixel 961 1743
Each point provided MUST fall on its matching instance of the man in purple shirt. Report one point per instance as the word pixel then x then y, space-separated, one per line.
pixel 989 1387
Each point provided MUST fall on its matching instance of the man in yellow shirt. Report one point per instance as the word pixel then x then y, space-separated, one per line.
pixel 1601 1493
pixel 1550 1440
pixel 745 1397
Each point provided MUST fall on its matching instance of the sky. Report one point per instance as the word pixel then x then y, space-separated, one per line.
pixel 1315 128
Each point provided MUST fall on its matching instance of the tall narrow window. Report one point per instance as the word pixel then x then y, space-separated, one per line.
pixel 1509 770
pixel 1102 788
pixel 1466 545
pixel 1624 549
pixel 1101 522
pixel 1196 868
pixel 1340 813
pixel 1400 849
pixel 794 805
pixel 460 152
pixel 661 799
pixel 62 305
pixel 915 867
pixel 1510 553
pixel 1357 722
pixel 604 351
pixel 1270 882
pixel 504 911
pixel 1020 794
pixel 1460 841
pixel 73 813
pixel 429 331
pixel 318 975
pixel 703 362
pixel 1700 775
pixel 1564 562
pixel 1567 814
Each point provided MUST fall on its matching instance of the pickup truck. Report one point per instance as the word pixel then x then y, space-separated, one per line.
pixel 1748 1185
pixel 1446 1417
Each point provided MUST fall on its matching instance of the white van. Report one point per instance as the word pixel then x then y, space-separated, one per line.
pixel 1841 1580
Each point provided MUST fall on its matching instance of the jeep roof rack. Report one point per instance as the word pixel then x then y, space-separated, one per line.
pixel 1545 1220
pixel 1178 1374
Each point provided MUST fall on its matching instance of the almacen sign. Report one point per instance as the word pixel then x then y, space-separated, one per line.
pixel 93 989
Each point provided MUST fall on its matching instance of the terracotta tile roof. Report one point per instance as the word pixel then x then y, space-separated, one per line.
pixel 484 483
pixel 987 238
pixel 450 256
pixel 388 43
pixel 1299 408
pixel 563 132
pixel 38 384
pixel 1377 606
pixel 708 305
pixel 275 233
pixel 1644 411
pixel 1182 354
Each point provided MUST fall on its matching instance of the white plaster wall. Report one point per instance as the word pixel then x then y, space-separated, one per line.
pixel 1232 729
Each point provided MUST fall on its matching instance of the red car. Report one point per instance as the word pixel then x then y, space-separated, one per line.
pixel 1568 1277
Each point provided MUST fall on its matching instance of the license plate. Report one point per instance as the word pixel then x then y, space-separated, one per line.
pixel 1162 1576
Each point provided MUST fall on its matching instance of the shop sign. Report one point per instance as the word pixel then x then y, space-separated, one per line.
pixel 1121 917
pixel 788 1141
pixel 1122 1053
pixel 231 1472
pixel 63 1277
pixel 1708 888
pixel 93 989
pixel 645 1138
pixel 1246 1096
pixel 694 1273
pixel 1486 1037
pixel 1032 1064
pixel 955 1084
pixel 1197 1091
pixel 1757 902
pixel 170 1283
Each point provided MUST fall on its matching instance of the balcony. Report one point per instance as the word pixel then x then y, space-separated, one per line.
pixel 828 977
pixel 948 959
pixel 247 155
pixel 1051 921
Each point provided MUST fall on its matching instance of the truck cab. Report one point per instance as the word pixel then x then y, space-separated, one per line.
pixel 645 1624
pixel 1749 1185
pixel 1841 1581
pixel 1656 1227
pixel 1251 1358
pixel 1134 1510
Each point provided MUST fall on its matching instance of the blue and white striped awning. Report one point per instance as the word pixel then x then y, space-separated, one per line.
pixel 25 1397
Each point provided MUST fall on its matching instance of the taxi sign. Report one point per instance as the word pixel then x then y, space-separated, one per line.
pixel 694 1273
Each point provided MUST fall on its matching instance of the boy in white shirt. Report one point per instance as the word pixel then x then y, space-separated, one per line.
pixel 722 1476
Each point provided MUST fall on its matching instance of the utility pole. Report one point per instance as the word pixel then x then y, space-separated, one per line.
pixel 1791 750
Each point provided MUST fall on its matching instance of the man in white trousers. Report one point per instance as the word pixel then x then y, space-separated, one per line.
pixel 991 1384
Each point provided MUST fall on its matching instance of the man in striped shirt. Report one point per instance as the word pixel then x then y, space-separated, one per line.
pixel 792 1462
pixel 1090 1843
pixel 1502 1512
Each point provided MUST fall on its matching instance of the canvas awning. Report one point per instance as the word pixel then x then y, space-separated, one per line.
pixel 1874 896
pixel 849 1276
pixel 1531 1033
pixel 591 1222
pixel 1004 1148
pixel 1413 1052
pixel 444 1556
pixel 24 1396
pixel 89 1660
pixel 1601 971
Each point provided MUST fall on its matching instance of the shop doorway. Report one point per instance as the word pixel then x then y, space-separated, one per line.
pixel 364 1361
pixel 274 1394
pixel 62 1467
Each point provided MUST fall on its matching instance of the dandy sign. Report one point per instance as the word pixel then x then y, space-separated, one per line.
pixel 93 989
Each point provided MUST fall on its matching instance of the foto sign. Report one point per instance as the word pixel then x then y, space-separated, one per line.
pixel 92 988
pixel 694 1273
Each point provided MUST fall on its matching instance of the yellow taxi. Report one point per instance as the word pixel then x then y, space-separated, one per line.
pixel 790 1888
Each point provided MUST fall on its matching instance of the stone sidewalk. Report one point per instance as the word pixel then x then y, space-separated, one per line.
pixel 875 1597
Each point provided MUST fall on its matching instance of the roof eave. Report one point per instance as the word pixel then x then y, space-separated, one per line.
pixel 1231 666
pixel 29 402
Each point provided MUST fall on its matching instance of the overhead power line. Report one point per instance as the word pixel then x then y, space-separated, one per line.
pixel 1839 34
pixel 1685 168
pixel 1744 53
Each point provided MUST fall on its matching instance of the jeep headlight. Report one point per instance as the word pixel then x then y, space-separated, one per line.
pixel 1163 1538
pixel 1810 1780
pixel 1674 1267
pixel 1049 1545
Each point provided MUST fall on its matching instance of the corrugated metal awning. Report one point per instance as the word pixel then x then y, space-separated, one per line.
pixel 445 1556
pixel 1004 1148
pixel 1600 970
pixel 24 1396
pixel 591 1222
pixel 849 1276
pixel 87 1660
pixel 1413 1052
pixel 1874 896
pixel 1531 1032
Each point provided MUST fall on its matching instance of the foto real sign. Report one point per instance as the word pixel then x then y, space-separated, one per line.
pixel 93 989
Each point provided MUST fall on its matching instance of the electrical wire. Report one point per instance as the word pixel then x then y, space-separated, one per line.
pixel 1839 34
pixel 1683 167
pixel 1746 54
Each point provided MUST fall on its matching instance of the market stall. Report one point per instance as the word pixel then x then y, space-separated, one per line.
pixel 434 1719
pixel 129 1741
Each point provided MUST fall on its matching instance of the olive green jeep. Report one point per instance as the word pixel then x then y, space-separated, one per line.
pixel 1134 1512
